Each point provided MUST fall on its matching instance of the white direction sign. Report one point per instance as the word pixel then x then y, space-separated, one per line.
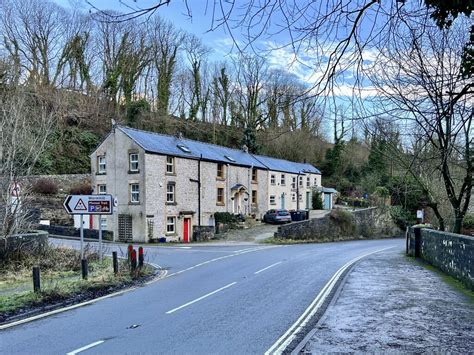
pixel 88 204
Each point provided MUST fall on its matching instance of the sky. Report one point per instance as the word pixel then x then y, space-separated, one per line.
pixel 271 45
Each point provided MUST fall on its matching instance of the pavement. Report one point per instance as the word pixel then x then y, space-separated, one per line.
pixel 214 299
pixel 392 303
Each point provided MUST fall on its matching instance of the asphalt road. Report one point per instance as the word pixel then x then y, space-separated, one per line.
pixel 215 299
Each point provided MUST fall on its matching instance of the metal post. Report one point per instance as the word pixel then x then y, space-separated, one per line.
pixel 100 238
pixel 82 236
pixel 199 193
pixel 36 279
pixel 115 262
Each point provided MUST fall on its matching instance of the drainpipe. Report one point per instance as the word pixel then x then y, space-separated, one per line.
pixel 298 190
pixel 199 193
pixel 198 181
pixel 227 178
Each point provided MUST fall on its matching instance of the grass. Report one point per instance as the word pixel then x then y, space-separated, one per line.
pixel 60 279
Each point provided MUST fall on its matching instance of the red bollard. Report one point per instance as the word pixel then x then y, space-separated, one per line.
pixel 140 257
pixel 129 252
pixel 134 259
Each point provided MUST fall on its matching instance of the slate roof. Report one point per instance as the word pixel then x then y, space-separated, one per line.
pixel 187 148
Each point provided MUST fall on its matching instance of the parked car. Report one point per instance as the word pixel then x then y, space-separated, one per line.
pixel 277 216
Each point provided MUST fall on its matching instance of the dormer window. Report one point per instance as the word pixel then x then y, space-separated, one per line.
pixel 133 162
pixel 101 164
pixel 229 158
pixel 184 148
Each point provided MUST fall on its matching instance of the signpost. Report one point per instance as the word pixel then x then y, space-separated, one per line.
pixel 89 205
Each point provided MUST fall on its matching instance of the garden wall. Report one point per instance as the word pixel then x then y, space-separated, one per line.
pixel 370 223
pixel 449 252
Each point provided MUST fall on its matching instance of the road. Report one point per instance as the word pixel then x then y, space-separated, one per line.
pixel 215 299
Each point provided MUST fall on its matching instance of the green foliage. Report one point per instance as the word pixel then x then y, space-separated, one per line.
pixel 250 140
pixel 402 217
pixel 67 152
pixel 354 201
pixel 382 191
pixel 226 218
pixel 317 200
pixel 345 220
pixel 135 109
pixel 468 222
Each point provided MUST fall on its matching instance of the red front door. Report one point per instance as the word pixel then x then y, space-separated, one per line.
pixel 186 230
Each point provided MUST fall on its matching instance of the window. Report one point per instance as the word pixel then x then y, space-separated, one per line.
pixel 254 197
pixel 229 158
pixel 283 181
pixel 101 189
pixel 134 193
pixel 301 197
pixel 220 196
pixel 169 165
pixel 170 189
pixel 301 181
pixel 184 148
pixel 315 182
pixel 308 181
pixel 293 196
pixel 170 225
pixel 293 182
pixel 220 171
pixel 272 200
pixel 101 164
pixel 133 162
pixel 254 174
pixel 103 222
pixel 272 179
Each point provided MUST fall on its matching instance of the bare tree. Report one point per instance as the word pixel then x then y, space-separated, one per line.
pixel 419 82
pixel 26 120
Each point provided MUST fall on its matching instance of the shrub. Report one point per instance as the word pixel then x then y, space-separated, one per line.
pixel 344 219
pixel 226 218
pixel 45 186
pixel 468 222
pixel 401 217
pixel 83 188
pixel 317 201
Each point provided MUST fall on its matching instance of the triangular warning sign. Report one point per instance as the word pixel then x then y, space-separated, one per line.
pixel 80 206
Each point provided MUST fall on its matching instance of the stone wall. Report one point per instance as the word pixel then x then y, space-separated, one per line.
pixel 75 232
pixel 449 252
pixel 203 233
pixel 50 207
pixel 33 242
pixel 369 223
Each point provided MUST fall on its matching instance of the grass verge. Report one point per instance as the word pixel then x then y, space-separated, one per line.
pixel 61 281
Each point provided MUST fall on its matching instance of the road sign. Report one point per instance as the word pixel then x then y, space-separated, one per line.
pixel 88 204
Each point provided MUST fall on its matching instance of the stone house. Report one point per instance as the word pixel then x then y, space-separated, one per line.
pixel 155 179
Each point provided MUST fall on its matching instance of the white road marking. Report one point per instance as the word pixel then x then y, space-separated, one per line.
pixel 201 298
pixel 282 343
pixel 238 252
pixel 77 351
pixel 268 267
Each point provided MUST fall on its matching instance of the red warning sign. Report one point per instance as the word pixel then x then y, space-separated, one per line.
pixel 80 206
